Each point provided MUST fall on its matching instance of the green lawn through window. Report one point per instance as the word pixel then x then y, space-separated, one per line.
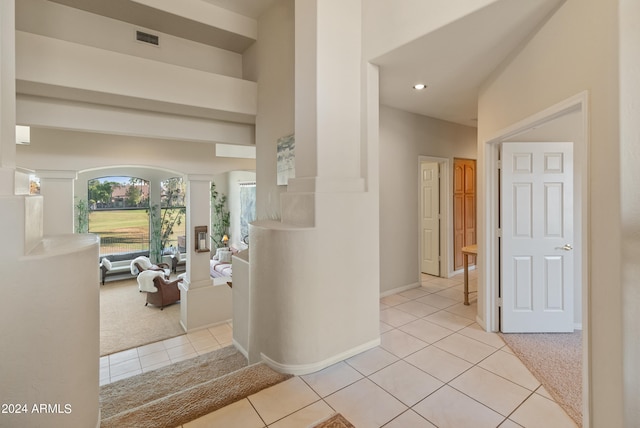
pixel 125 231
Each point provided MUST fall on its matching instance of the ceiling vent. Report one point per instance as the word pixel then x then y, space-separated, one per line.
pixel 152 39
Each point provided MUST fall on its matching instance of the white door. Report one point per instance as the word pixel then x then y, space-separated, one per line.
pixel 537 237
pixel 430 218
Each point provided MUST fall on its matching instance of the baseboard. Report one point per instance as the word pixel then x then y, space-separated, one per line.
pixel 202 327
pixel 461 271
pixel 577 326
pixel 400 289
pixel 241 349
pixel 302 369
pixel 481 323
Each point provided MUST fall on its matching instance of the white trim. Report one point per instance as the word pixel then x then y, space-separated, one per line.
pixel 461 271
pixel 490 246
pixel 302 369
pixel 577 326
pixel 202 327
pixel 240 348
pixel 481 323
pixel 400 289
pixel 579 102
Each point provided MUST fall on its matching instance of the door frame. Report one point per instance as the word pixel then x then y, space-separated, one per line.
pixel 489 244
pixel 446 207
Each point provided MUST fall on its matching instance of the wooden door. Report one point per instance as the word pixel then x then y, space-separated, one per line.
pixel 464 209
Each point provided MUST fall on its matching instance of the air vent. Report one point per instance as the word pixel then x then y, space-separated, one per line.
pixel 152 39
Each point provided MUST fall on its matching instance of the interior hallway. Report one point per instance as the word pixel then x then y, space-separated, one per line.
pixel 435 367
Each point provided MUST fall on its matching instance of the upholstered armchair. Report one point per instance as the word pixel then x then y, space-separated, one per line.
pixel 160 292
pixel 176 260
pixel 142 263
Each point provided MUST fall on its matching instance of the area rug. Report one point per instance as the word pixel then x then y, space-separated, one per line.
pixel 555 359
pixel 125 321
pixel 335 421
pixel 174 395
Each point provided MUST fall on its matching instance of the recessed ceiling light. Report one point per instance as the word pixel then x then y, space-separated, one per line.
pixel 419 86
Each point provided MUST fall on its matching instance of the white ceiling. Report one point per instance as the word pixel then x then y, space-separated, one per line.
pixel 456 59
pixel 453 61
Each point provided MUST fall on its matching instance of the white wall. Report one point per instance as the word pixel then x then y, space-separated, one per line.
pixel 58 21
pixel 275 118
pixel 289 282
pixel 52 67
pixel 403 138
pixel 78 151
pixel 390 24
pixel 630 176
pixel 575 51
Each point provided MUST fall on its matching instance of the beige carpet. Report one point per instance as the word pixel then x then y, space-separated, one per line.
pixel 179 393
pixel 555 359
pixel 335 421
pixel 125 322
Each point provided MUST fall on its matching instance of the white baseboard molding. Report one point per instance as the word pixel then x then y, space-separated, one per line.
pixel 577 326
pixel 481 323
pixel 400 289
pixel 302 369
pixel 241 349
pixel 461 271
pixel 202 327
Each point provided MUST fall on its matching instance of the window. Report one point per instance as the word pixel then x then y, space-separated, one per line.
pixel 118 213
pixel 34 185
pixel 173 215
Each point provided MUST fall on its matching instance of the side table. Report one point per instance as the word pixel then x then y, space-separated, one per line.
pixel 466 251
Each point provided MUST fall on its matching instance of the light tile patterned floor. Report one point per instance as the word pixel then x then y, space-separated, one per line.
pixel 155 355
pixel 435 367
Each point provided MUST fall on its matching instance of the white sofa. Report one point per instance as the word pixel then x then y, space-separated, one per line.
pixel 121 267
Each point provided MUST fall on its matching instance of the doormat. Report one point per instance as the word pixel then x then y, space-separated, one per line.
pixel 335 421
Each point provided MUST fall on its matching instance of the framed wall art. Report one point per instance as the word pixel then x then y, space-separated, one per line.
pixel 286 159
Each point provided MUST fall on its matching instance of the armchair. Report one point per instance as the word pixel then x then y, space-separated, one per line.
pixel 178 259
pixel 160 292
pixel 142 263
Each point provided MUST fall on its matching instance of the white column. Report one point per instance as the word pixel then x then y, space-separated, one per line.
pixel 7 97
pixel 328 74
pixel 202 303
pixel 50 355
pixel 629 178
pixel 198 214
pixel 301 313
pixel 57 189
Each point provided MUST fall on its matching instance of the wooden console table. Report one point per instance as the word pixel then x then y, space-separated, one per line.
pixel 466 251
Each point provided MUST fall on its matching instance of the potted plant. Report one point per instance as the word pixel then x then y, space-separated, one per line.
pixel 220 218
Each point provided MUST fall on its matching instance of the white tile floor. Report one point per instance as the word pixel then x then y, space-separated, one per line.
pixel 435 367
pixel 155 355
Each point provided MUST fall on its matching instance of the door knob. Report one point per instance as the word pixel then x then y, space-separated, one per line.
pixel 566 247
